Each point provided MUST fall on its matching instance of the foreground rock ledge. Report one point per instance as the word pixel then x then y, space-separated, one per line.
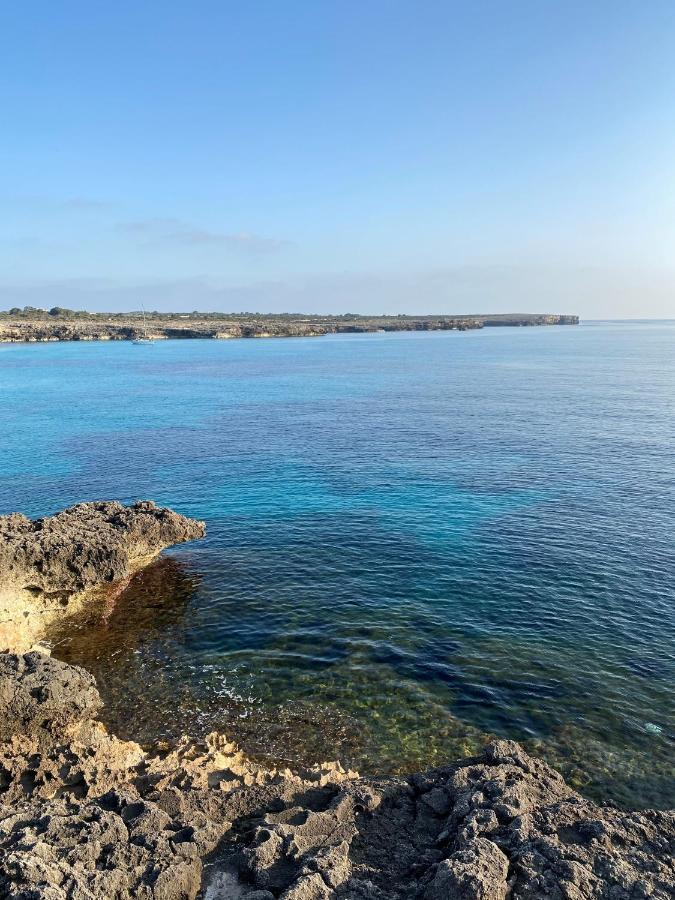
pixel 87 816
pixel 48 566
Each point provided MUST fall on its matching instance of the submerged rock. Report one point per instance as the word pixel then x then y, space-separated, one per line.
pixel 86 815
pixel 49 565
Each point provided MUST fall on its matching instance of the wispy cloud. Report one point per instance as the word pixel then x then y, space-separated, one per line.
pixel 84 204
pixel 174 231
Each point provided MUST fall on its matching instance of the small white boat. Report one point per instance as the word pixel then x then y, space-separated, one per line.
pixel 146 339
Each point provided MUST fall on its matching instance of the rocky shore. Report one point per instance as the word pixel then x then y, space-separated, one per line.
pixel 49 566
pixel 85 815
pixel 40 326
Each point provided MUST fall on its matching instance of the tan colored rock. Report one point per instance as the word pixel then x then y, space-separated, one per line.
pixel 84 815
pixel 91 816
pixel 51 566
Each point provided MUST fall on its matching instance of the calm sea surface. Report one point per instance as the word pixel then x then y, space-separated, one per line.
pixel 414 540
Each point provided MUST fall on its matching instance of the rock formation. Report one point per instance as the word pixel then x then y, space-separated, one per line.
pixel 48 566
pixel 86 816
pixel 42 327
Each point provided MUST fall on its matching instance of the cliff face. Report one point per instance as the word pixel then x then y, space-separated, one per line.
pixel 528 319
pixel 45 331
pixel 49 565
pixel 101 328
pixel 85 815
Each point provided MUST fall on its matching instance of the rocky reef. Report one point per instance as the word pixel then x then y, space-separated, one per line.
pixel 48 566
pixel 40 326
pixel 84 815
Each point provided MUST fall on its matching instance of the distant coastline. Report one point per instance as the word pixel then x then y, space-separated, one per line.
pixel 41 326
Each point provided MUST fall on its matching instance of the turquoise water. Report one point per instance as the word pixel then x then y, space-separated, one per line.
pixel 414 540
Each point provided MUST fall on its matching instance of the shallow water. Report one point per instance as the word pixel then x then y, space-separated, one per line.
pixel 414 540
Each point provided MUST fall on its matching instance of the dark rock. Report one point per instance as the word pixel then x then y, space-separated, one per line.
pixel 501 824
pixel 87 544
pixel 46 565
pixel 40 696
pixel 85 815
pixel 61 850
pixel 478 872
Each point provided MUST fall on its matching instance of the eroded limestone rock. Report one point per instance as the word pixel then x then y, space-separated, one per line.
pixel 85 816
pixel 48 566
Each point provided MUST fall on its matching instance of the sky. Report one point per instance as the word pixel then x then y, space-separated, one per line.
pixel 339 156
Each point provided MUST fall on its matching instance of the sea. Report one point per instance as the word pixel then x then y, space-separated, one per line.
pixel 416 541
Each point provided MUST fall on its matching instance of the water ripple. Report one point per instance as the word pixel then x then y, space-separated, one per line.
pixel 414 541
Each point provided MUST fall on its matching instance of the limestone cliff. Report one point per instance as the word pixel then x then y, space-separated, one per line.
pixel 120 327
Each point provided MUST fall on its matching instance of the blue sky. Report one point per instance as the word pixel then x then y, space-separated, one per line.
pixel 339 156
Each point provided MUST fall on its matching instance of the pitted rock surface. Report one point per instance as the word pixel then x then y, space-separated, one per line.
pixel 496 826
pixel 86 816
pixel 118 846
pixel 86 545
pixel 40 696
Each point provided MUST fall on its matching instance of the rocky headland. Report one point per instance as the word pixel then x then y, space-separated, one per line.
pixel 64 325
pixel 50 566
pixel 87 816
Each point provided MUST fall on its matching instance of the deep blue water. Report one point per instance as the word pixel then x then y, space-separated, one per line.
pixel 414 539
